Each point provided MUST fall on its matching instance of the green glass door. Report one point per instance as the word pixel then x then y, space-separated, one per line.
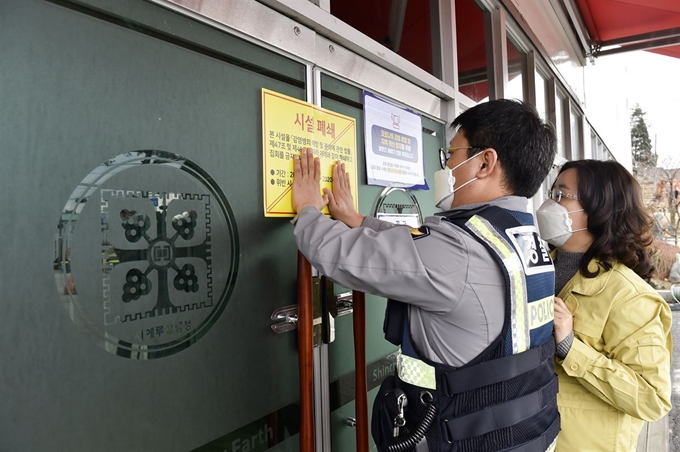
pixel 138 273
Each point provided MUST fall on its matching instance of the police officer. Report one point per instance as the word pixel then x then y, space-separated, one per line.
pixel 471 290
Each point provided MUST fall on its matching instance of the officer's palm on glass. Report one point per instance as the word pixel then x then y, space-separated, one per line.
pixel 340 201
pixel 306 177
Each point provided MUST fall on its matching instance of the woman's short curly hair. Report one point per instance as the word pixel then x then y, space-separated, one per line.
pixel 621 226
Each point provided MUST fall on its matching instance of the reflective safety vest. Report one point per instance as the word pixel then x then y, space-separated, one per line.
pixel 506 397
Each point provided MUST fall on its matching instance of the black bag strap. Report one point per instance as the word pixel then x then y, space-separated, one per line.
pixel 500 416
pixel 541 443
pixel 495 370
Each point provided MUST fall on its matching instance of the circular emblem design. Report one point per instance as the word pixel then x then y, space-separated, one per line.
pixel 148 250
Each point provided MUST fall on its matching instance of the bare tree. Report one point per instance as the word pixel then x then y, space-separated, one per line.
pixel 666 196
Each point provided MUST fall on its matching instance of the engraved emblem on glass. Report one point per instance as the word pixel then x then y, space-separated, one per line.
pixel 152 249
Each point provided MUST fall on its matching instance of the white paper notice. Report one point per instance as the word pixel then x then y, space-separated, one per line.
pixel 394 148
pixel 407 219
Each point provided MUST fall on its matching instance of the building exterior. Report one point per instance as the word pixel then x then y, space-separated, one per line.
pixel 139 276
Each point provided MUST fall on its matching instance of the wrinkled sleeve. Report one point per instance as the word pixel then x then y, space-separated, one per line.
pixel 378 225
pixel 633 375
pixel 387 262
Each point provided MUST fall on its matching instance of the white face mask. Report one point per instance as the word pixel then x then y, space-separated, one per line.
pixel 443 185
pixel 554 223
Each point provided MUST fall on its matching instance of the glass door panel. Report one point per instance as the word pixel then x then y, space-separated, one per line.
pixel 141 150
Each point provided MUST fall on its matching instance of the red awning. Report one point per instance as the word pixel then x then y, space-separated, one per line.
pixel 652 25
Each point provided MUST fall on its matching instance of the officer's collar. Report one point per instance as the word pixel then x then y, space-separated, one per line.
pixel 517 203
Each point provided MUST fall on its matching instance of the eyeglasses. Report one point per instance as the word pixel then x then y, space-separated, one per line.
pixel 557 195
pixel 445 155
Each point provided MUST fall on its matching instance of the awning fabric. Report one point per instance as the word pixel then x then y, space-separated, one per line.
pixel 652 25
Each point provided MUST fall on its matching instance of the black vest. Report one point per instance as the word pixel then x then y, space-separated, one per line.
pixel 505 398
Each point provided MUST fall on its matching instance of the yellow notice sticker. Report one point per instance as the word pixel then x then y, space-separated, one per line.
pixel 289 125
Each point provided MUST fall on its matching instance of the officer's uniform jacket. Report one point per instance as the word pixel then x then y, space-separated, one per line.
pixel 451 283
pixel 617 372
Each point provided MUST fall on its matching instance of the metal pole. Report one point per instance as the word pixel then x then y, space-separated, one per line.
pixel 359 317
pixel 305 353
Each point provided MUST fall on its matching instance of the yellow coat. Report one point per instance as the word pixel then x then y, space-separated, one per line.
pixel 617 372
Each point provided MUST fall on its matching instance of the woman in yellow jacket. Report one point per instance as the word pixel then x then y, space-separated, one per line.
pixel 611 328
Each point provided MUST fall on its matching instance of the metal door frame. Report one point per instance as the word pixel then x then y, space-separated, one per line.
pixel 301 43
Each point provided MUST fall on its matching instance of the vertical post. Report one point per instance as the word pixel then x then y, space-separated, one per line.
pixel 359 317
pixel 529 81
pixel 448 55
pixel 496 52
pixel 305 353
pixel 396 25
pixel 446 42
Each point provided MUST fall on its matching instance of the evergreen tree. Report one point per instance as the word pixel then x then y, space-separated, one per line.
pixel 640 143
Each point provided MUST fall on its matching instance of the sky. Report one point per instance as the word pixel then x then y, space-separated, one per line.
pixel 653 82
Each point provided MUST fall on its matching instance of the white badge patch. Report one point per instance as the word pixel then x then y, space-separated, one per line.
pixel 531 249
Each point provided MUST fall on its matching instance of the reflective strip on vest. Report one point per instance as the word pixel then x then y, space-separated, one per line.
pixel 542 312
pixel 415 372
pixel 519 317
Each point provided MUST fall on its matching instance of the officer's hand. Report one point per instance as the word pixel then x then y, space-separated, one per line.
pixel 340 201
pixel 564 321
pixel 306 177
